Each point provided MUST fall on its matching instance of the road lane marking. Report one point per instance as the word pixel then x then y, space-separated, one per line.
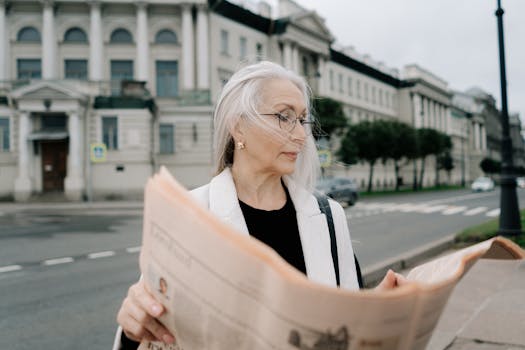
pixel 493 213
pixel 58 261
pixel 137 249
pixel 10 268
pixel 433 209
pixel 101 254
pixel 475 211
pixel 453 210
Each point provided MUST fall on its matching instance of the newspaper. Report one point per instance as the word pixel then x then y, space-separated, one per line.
pixel 224 290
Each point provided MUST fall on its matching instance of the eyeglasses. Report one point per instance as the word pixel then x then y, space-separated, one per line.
pixel 288 119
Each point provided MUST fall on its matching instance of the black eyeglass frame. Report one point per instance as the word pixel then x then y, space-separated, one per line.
pixel 285 119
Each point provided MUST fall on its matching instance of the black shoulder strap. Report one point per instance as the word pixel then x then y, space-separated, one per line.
pixel 324 206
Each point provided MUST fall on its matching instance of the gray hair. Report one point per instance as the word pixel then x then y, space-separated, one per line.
pixel 241 97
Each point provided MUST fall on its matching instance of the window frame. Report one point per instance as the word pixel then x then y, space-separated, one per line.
pixel 27 29
pixel 79 30
pixel 157 80
pixel 166 150
pixel 5 145
pixel 114 146
pixel 225 42
pixel 167 31
pixel 113 40
pixel 75 60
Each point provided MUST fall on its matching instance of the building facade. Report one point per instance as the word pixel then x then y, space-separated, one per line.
pixel 141 78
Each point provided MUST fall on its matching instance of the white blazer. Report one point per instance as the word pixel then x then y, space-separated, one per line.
pixel 220 197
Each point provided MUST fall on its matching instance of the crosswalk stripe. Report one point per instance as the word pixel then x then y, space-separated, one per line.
pixel 493 213
pixel 453 210
pixel 10 268
pixel 433 209
pixel 475 211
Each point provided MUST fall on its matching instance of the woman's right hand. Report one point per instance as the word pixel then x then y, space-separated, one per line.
pixel 138 316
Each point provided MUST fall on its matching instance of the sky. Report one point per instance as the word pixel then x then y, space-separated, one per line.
pixel 456 40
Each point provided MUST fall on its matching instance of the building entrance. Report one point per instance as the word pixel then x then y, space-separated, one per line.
pixel 54 164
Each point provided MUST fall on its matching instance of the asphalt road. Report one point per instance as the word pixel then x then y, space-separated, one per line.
pixel 64 273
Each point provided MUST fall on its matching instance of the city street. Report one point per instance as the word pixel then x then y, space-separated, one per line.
pixel 64 273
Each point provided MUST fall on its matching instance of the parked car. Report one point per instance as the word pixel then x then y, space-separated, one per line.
pixel 339 188
pixel 520 181
pixel 482 184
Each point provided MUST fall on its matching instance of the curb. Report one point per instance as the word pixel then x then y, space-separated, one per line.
pixel 106 205
pixel 373 274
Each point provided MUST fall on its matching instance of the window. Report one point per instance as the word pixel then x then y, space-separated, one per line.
pixel 167 78
pixel 373 94
pixel 350 86
pixel 166 36
pixel 166 138
pixel 121 36
pixel 76 69
pixel 224 42
pixel 380 97
pixel 29 68
pixel 242 48
pixel 4 134
pixel 340 82
pixel 224 76
pixel 306 67
pixel 366 91
pixel 358 87
pixel 53 122
pixel 259 51
pixel 75 35
pixel 28 34
pixel 110 132
pixel 331 80
pixel 120 70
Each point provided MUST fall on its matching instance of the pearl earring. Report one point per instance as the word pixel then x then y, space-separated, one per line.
pixel 240 145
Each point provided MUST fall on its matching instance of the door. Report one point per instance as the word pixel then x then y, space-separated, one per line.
pixel 54 165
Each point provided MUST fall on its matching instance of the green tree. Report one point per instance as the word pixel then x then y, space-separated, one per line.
pixel 365 141
pixel 490 166
pixel 446 162
pixel 402 144
pixel 443 148
pixel 331 118
pixel 429 141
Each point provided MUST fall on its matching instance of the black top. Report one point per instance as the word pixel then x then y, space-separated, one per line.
pixel 277 229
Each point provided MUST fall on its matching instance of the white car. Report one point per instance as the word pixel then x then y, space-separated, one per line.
pixel 520 181
pixel 482 184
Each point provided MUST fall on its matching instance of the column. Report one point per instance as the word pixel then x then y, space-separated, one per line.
pixel 73 184
pixel 142 42
pixel 3 43
pixel 320 68
pixel 295 59
pixel 287 53
pixel 476 137
pixel 22 182
pixel 447 121
pixel 483 137
pixel 49 42
pixel 416 103
pixel 203 75
pixel 96 44
pixel 187 48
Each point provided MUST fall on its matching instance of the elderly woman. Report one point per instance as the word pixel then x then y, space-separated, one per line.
pixel 266 164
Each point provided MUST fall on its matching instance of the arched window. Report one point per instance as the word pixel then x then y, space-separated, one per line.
pixel 28 34
pixel 75 35
pixel 166 36
pixel 121 36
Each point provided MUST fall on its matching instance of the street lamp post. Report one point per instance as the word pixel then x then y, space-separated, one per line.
pixel 509 222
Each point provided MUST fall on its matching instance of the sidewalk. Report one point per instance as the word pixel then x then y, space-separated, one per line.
pixel 486 310
pixel 10 207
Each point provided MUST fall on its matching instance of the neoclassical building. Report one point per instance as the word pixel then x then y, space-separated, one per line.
pixel 96 95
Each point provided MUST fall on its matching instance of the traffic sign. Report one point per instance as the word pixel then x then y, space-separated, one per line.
pixel 98 152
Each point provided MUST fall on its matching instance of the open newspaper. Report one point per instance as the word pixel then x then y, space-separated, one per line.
pixel 224 290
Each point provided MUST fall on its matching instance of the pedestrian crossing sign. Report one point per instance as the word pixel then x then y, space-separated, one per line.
pixel 98 152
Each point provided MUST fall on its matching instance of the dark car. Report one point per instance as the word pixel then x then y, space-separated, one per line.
pixel 339 188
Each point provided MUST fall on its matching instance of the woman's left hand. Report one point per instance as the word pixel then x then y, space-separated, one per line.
pixel 390 281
